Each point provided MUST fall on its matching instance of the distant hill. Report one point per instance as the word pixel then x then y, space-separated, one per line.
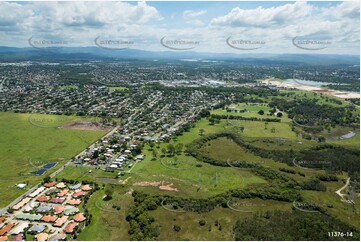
pixel 8 54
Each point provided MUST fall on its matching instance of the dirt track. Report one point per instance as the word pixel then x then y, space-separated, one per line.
pixel 338 192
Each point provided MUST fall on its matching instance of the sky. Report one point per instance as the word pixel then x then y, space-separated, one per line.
pixel 222 27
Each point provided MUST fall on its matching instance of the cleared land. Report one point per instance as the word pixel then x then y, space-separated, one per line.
pixel 25 147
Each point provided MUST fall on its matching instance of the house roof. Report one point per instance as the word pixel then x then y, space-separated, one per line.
pixel 19 228
pixel 69 228
pixel 78 194
pixel 57 237
pixel 63 193
pixel 3 238
pixel 49 218
pixel 42 199
pixel 57 200
pixel 70 211
pixel 6 229
pixel 37 192
pixel 58 208
pixel 86 187
pixel 74 202
pixel 61 221
pixel 79 217
pixel 38 228
pixel 76 186
pixel 44 208
pixel 52 191
pixel 26 216
pixel 2 219
pixel 61 185
pixel 21 186
pixel 21 203
pixel 18 237
pixel 42 237
pixel 30 206
pixel 50 184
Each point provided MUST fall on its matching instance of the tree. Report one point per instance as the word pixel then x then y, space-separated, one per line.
pixel 170 149
pixel 201 132
pixel 47 179
pixel 177 228
pixel 164 151
pixel 154 153
pixel 151 145
pixel 179 148
pixel 95 154
pixel 279 114
pixel 212 121
pixel 261 112
pixel 137 150
pixel 109 194
pixel 321 139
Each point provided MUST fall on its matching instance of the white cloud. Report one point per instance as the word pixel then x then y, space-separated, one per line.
pixel 192 14
pixel 278 25
pixel 265 17
pixel 54 15
pixel 81 22
pixel 12 16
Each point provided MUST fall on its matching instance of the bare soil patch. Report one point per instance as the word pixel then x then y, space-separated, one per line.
pixel 161 185
pixel 85 125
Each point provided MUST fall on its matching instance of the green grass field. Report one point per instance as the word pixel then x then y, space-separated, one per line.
pixel 230 150
pixel 117 88
pixel 187 181
pixel 219 222
pixel 22 140
pixel 108 222
pixel 262 129
pixel 80 173
pixel 251 110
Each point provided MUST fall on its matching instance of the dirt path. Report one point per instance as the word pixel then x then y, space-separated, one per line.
pixel 338 192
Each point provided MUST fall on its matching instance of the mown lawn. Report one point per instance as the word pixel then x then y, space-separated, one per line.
pixel 23 140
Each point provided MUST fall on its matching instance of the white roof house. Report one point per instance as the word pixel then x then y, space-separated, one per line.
pixel 21 185
pixel 37 192
pixel 19 228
